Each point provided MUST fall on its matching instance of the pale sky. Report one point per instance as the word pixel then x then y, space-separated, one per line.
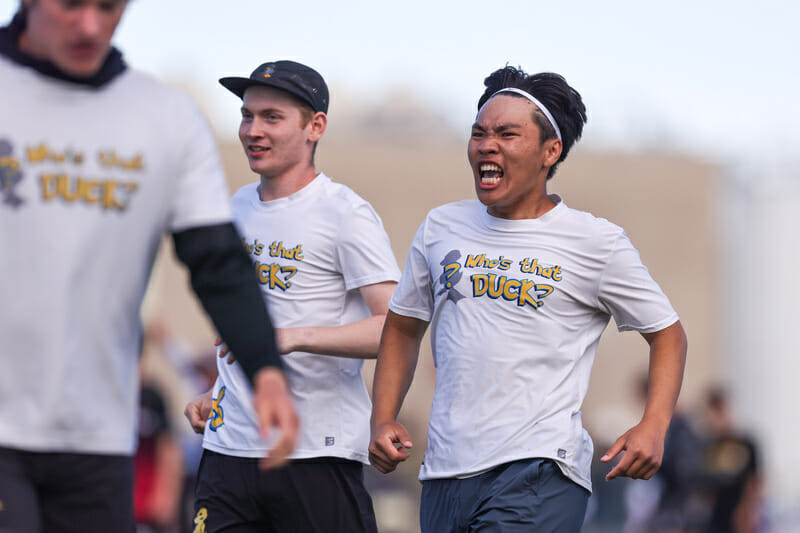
pixel 717 77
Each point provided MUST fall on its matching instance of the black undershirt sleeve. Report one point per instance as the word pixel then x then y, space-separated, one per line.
pixel 224 279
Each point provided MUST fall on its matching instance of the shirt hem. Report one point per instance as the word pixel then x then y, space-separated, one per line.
pixel 341 453
pixel 565 468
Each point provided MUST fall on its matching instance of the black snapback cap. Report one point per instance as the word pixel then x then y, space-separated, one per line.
pixel 295 78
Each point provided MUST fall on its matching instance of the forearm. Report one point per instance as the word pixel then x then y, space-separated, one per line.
pixel 397 360
pixel 358 340
pixel 667 362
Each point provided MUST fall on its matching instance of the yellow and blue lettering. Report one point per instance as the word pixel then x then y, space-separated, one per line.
pixel 524 291
pixel 217 417
pixel 270 274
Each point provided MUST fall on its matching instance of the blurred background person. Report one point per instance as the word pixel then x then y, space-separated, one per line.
pixel 732 469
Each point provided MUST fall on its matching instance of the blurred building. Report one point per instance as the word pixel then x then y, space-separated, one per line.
pixel 760 230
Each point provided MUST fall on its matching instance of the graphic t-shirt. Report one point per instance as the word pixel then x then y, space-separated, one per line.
pixel 517 308
pixel 90 180
pixel 312 251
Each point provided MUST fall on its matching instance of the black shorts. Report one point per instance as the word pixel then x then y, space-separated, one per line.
pixel 325 494
pixel 65 492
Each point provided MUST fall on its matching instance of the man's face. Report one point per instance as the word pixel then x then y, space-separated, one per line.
pixel 74 35
pixel 273 132
pixel 508 160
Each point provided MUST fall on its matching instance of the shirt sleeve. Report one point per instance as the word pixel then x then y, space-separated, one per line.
pixel 363 253
pixel 413 296
pixel 201 195
pixel 629 294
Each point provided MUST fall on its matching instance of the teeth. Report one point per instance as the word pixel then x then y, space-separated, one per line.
pixel 490 181
pixel 489 167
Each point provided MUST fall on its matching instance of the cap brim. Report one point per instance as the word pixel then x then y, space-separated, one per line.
pixel 239 85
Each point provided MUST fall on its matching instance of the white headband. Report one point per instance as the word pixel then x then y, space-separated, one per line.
pixel 536 102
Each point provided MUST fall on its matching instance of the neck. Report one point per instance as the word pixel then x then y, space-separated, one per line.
pixel 532 208
pixel 288 183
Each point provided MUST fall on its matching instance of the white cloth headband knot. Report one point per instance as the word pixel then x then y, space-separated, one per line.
pixel 536 102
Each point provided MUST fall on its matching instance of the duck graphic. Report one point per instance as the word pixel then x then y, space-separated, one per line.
pixel 10 175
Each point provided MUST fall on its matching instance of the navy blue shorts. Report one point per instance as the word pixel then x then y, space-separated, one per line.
pixel 521 496
pixel 65 492
pixel 308 495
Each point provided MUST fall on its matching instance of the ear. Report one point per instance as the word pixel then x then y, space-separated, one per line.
pixel 552 151
pixel 318 124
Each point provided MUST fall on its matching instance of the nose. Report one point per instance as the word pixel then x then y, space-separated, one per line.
pixel 90 21
pixel 252 129
pixel 487 145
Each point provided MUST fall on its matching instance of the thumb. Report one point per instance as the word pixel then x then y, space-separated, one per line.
pixel 612 452
pixel 403 437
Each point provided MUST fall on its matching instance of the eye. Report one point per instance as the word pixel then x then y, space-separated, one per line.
pixel 477 134
pixel 508 134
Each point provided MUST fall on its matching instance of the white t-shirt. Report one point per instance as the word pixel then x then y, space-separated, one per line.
pixel 96 177
pixel 312 251
pixel 517 308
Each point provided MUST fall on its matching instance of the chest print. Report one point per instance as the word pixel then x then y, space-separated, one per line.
pixel 525 283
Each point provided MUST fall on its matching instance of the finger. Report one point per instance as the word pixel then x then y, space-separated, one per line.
pixel 387 455
pixel 389 449
pixel 403 437
pixel 218 341
pixel 288 424
pixel 381 463
pixel 621 468
pixel 197 422
pixel 651 472
pixel 612 452
pixel 636 469
pixel 644 468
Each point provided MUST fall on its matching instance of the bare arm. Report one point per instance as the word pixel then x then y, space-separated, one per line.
pixel 359 339
pixel 643 445
pixel 394 372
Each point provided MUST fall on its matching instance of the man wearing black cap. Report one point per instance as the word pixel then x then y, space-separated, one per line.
pixel 97 163
pixel 327 272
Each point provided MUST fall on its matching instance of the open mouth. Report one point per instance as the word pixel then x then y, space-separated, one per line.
pixel 491 174
pixel 257 150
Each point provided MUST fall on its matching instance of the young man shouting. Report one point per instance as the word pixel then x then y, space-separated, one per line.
pixel 518 288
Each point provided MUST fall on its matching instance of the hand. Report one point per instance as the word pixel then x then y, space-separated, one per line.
pixel 274 408
pixel 224 351
pixel 643 450
pixel 388 447
pixel 197 412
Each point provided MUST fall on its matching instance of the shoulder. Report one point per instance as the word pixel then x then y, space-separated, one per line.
pixel 463 211
pixel 342 202
pixel 152 93
pixel 339 193
pixel 592 227
pixel 245 193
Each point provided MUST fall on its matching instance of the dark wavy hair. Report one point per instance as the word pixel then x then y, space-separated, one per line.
pixel 563 102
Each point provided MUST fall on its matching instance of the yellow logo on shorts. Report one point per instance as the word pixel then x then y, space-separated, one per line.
pixel 200 520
